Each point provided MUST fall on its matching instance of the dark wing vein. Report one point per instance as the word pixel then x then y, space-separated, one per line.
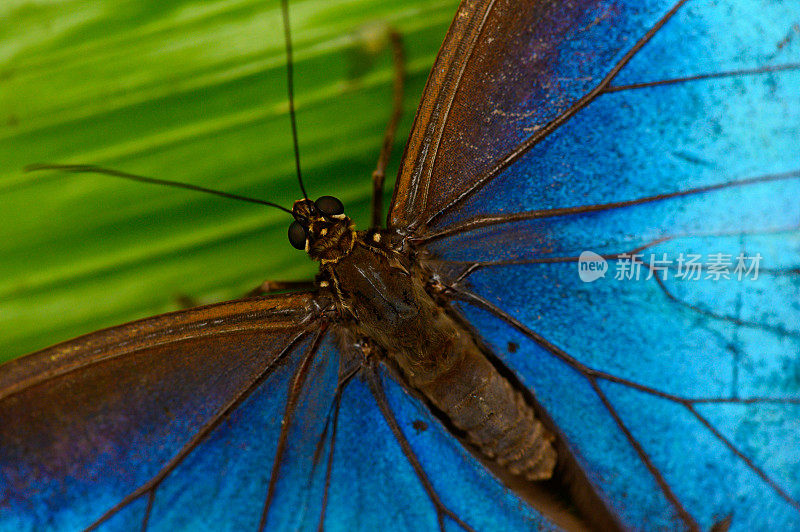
pixel 472 266
pixel 593 375
pixel 295 388
pixel 201 434
pixel 631 255
pixel 376 386
pixel 96 348
pixel 777 329
pixel 445 115
pixel 580 367
pixel 440 109
pixel 699 77
pixel 645 458
pixel 337 401
pixel 151 497
pixel 484 221
pixel 333 418
pixel 560 120
pixel 735 450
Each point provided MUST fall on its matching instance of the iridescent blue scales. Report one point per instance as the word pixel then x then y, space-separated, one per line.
pixel 652 133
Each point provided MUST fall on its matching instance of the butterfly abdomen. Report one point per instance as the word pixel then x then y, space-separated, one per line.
pixel 440 359
pixel 493 416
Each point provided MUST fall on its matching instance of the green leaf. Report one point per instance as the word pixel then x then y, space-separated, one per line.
pixel 193 91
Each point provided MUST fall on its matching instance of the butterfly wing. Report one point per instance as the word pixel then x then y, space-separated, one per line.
pixel 108 426
pixel 394 467
pixel 249 415
pixel 660 128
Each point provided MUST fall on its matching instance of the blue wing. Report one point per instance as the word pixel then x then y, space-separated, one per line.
pixel 354 452
pixel 250 415
pixel 104 430
pixel 660 130
pixel 396 468
pixel 679 398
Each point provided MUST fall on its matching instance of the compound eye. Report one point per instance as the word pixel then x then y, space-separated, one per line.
pixel 297 236
pixel 329 206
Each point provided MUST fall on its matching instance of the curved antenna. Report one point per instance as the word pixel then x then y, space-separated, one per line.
pixel 290 88
pixel 90 169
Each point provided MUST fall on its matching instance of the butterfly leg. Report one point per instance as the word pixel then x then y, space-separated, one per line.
pixel 272 287
pixel 379 174
pixel 185 301
pixel 266 288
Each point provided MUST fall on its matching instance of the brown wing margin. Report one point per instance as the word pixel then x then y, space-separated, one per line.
pixel 410 193
pixel 129 399
pixel 475 117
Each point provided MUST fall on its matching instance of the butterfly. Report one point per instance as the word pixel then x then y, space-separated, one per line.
pixel 554 142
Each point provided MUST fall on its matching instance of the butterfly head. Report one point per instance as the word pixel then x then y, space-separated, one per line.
pixel 322 229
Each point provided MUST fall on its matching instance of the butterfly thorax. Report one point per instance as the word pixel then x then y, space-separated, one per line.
pixel 381 292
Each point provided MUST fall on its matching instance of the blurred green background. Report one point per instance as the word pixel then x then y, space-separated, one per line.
pixel 193 91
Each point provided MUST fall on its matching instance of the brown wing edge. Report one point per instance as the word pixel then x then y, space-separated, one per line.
pixel 292 315
pixel 410 191
pixel 265 313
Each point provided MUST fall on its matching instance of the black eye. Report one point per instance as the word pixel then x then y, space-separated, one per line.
pixel 297 236
pixel 329 206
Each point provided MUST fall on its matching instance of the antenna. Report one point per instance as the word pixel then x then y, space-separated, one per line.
pixel 290 89
pixel 90 169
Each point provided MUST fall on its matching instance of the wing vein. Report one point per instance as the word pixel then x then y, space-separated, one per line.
pixel 151 497
pixel 202 433
pixel 470 267
pixel 485 221
pixel 699 77
pixel 329 463
pixel 590 372
pixel 559 120
pixel 343 382
pixel 750 464
pixel 140 335
pixel 295 388
pixel 376 386
pixel 593 375
pixel 777 329
pixel 685 516
pixel 448 105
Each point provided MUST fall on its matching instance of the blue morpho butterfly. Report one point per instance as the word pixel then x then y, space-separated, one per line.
pixel 584 311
